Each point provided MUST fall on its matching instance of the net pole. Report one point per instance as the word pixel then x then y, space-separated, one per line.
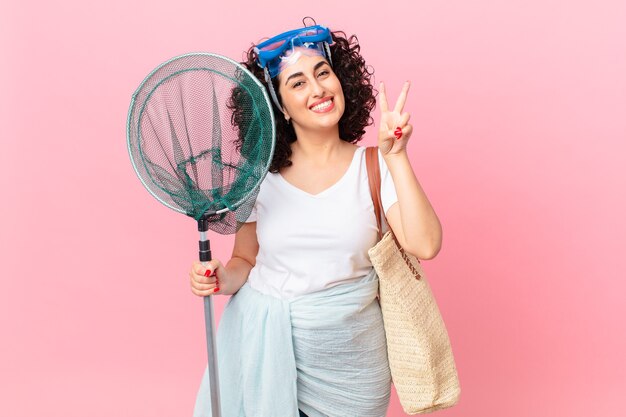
pixel 209 324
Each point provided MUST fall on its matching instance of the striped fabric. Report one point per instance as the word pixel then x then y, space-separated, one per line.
pixel 323 353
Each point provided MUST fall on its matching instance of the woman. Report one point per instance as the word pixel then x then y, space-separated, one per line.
pixel 302 333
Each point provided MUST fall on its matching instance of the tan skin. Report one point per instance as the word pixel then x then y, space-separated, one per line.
pixel 320 158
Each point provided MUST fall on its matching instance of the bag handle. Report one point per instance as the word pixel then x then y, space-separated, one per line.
pixel 373 176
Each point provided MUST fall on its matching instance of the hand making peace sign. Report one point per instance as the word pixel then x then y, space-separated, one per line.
pixel 394 131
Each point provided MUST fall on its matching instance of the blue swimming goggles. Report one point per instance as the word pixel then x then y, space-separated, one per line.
pixel 278 52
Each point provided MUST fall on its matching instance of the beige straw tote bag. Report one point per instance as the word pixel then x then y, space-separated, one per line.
pixel 420 356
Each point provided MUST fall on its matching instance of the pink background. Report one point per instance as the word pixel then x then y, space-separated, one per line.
pixel 519 111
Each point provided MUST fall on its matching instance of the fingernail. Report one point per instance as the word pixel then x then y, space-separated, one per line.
pixel 398 133
pixel 207 273
pixel 216 289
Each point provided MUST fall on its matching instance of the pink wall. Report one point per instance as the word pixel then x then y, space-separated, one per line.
pixel 519 111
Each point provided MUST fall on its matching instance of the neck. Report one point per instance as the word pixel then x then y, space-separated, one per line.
pixel 318 145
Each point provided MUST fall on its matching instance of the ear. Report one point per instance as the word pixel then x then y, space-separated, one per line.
pixel 286 114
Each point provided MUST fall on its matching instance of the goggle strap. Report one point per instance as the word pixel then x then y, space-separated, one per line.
pixel 327 49
pixel 268 80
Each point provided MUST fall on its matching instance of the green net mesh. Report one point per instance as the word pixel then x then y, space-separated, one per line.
pixel 201 138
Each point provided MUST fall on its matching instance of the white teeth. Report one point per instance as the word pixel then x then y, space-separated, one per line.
pixel 322 106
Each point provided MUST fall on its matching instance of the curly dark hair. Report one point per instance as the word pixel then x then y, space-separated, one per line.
pixel 360 97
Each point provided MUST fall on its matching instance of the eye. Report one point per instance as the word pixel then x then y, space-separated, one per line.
pixel 323 72
pixel 297 84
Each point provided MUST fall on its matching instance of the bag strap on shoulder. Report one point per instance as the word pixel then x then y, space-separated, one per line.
pixel 373 176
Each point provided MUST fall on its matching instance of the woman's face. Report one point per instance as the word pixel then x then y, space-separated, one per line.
pixel 311 93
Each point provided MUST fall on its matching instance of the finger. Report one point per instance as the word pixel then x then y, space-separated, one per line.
pixel 406 131
pixel 391 135
pixel 203 270
pixel 198 268
pixel 202 278
pixel 204 287
pixel 402 99
pixel 383 124
pixel 403 132
pixel 208 268
pixel 203 283
pixel 404 119
pixel 384 107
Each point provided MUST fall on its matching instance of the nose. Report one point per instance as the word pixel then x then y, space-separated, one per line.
pixel 317 89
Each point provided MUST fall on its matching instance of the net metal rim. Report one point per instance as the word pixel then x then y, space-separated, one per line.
pixel 132 109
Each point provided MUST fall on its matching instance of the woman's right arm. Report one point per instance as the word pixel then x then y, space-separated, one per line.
pixel 227 279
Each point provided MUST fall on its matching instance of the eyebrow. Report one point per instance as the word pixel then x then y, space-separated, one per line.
pixel 298 74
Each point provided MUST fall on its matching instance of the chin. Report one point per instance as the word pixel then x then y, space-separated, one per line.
pixel 331 120
pixel 327 124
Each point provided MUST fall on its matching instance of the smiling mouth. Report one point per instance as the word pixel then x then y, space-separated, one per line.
pixel 323 107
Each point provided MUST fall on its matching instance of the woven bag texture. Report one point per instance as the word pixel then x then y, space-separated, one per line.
pixel 420 356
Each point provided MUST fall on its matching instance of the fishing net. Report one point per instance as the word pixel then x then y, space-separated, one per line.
pixel 201 138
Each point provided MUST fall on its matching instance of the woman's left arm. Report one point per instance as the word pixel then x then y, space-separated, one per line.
pixel 412 219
